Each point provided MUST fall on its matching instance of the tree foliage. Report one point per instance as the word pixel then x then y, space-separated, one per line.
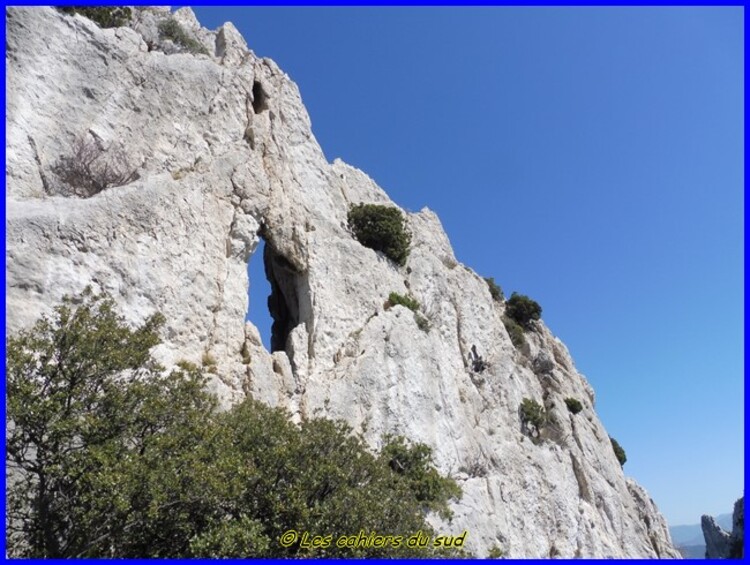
pixel 522 309
pixel 111 456
pixel 414 463
pixel 382 228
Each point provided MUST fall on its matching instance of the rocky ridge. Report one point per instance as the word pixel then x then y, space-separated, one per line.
pixel 225 156
pixel 721 544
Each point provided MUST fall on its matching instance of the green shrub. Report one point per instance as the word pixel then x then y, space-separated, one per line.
pixel 573 405
pixel 515 332
pixel 395 298
pixel 172 30
pixel 619 451
pixel 523 309
pixel 103 16
pixel 382 228
pixel 495 290
pixel 533 413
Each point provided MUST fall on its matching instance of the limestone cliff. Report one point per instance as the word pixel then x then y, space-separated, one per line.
pixel 224 154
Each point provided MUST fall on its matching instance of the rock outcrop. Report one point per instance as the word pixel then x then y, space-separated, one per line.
pixel 721 544
pixel 224 155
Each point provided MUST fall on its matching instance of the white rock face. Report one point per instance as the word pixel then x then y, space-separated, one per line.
pixel 225 155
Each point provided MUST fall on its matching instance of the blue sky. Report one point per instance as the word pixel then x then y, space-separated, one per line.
pixel 591 158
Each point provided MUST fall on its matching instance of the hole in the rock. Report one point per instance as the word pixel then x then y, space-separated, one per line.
pixel 274 303
pixel 283 304
pixel 260 98
pixel 259 292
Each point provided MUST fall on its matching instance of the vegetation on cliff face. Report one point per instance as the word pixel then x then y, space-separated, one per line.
pixel 619 451
pixel 382 228
pixel 495 290
pixel 103 16
pixel 523 310
pixel 574 405
pixel 111 456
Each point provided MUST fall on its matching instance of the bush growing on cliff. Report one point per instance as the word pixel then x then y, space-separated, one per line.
pixel 89 168
pixel 413 305
pixel 103 16
pixel 495 291
pixel 574 405
pixel 382 228
pixel 515 332
pixel 523 309
pixel 172 30
pixel 619 451
pixel 395 298
pixel 108 456
pixel 533 415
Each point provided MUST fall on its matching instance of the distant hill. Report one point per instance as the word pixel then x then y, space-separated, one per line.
pixel 689 539
pixel 692 551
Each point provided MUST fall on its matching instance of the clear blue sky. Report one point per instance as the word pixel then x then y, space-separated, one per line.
pixel 590 158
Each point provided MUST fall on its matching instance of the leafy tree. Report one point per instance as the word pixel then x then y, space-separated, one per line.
pixel 619 451
pixel 523 309
pixel 325 468
pixel 110 456
pixel 382 228
pixel 84 398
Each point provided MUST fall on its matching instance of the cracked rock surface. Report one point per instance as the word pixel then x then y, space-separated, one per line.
pixel 225 155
